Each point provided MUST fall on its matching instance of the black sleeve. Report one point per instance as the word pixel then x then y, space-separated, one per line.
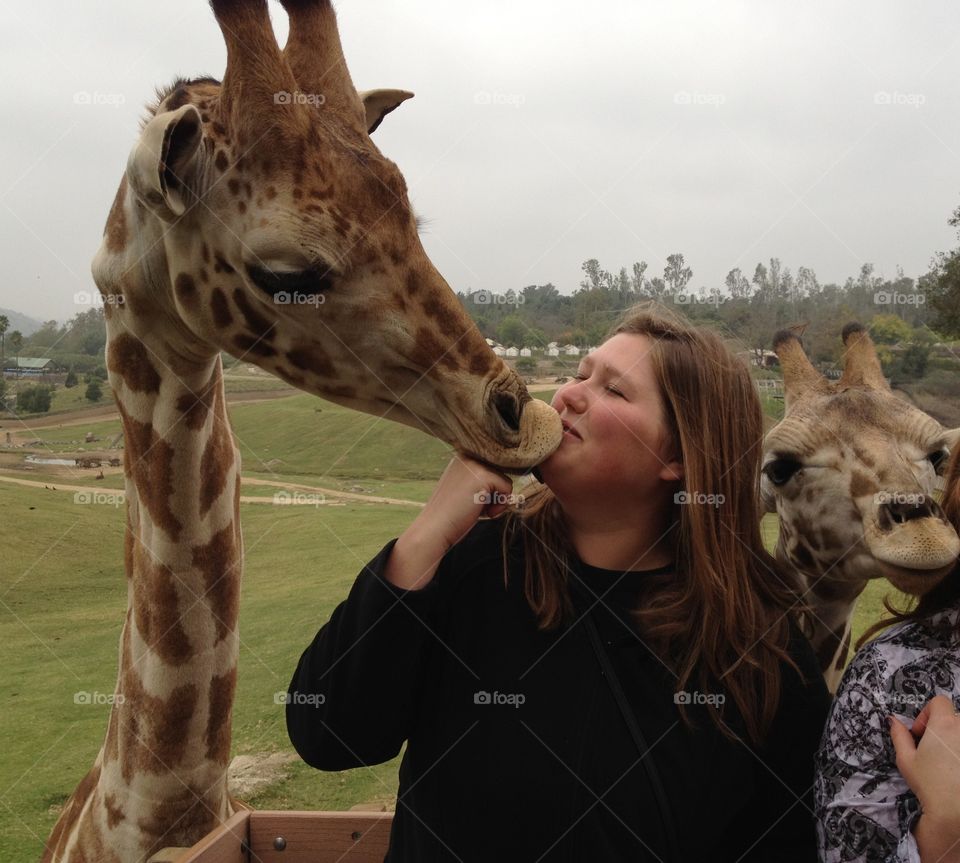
pixel 780 820
pixel 352 698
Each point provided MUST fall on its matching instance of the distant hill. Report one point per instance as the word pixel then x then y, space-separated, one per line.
pixel 24 323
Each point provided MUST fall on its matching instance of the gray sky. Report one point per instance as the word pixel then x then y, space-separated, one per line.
pixel 543 132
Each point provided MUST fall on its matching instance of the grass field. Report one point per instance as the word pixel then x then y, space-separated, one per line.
pixel 63 596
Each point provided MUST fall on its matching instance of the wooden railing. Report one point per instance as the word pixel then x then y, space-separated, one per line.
pixel 293 837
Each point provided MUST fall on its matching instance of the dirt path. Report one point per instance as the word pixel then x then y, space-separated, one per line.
pixel 334 495
pixel 109 412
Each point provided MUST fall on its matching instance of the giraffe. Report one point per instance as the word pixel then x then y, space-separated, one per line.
pixel 255 217
pixel 850 472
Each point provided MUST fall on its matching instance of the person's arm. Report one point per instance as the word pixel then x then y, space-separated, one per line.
pixel 353 696
pixel 931 767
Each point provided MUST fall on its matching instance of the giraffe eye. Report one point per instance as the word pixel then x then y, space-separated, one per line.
pixel 938 458
pixel 315 279
pixel 781 470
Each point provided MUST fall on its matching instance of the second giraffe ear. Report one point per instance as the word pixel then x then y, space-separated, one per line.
pixel 379 103
pixel 163 164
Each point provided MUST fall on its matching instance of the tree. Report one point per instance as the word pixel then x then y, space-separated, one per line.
pixel 34 399
pixel 71 380
pixel 512 331
pixel 16 342
pixel 737 284
pixel 941 287
pixel 676 274
pixel 889 330
pixel 638 283
pixel 93 393
pixel 4 326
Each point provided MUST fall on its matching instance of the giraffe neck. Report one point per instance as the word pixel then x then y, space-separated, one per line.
pixel 830 620
pixel 160 778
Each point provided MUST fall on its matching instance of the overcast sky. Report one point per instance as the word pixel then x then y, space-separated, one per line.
pixel 543 133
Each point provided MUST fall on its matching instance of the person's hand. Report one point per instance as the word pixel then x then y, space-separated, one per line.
pixel 466 491
pixel 928 758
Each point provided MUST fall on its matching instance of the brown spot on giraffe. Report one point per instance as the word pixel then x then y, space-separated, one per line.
pixel 148 461
pixel 127 357
pixel 220 309
pixel 221 265
pixel 250 345
pixel 218 457
pixel 255 320
pixel 115 812
pixel 221 161
pixel 186 289
pixel 196 406
pixel 312 360
pixel 862 485
pixel 429 352
pixel 218 721
pixel 157 610
pixel 217 560
pixel 116 227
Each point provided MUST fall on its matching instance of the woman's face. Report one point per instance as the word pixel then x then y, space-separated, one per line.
pixel 615 438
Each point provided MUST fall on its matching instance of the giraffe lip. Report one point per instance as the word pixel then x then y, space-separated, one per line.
pixel 894 573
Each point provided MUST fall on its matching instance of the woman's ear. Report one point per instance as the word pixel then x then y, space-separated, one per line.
pixel 672 471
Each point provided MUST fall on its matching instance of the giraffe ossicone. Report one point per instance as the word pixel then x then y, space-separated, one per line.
pixel 255 217
pixel 851 472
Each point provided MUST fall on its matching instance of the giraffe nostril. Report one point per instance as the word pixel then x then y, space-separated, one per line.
pixel 508 409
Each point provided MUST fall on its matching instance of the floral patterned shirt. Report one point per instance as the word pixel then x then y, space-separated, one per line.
pixel 865 809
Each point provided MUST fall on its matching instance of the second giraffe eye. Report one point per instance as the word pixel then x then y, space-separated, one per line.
pixel 316 279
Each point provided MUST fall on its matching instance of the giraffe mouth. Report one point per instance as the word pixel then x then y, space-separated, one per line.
pixel 914 582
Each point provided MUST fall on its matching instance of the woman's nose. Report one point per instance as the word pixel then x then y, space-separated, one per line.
pixel 571 395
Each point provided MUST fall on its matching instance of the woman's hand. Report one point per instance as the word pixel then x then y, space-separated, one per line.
pixel 466 491
pixel 931 766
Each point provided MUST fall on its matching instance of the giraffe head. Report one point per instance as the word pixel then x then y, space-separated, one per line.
pixel 850 470
pixel 257 217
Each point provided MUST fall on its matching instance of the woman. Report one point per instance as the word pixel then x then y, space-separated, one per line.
pixel 886 793
pixel 608 671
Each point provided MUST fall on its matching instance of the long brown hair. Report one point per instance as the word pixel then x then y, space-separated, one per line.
pixel 721 616
pixel 948 591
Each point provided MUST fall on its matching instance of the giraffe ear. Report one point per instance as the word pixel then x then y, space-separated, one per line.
pixel 379 103
pixel 162 166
